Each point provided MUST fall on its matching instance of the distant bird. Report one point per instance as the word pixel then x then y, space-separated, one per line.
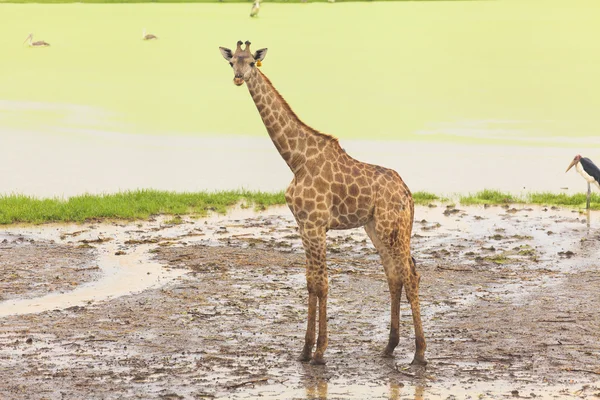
pixel 589 171
pixel 148 36
pixel 255 8
pixel 39 43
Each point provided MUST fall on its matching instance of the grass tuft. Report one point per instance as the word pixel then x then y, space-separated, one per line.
pixel 488 196
pixel 425 198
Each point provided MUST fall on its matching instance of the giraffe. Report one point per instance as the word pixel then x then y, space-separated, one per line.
pixel 331 190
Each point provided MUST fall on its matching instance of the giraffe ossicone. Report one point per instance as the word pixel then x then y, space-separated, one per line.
pixel 331 190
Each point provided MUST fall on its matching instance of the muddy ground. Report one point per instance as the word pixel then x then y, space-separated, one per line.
pixel 30 269
pixel 510 301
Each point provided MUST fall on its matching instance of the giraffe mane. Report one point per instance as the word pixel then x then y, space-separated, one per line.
pixel 293 114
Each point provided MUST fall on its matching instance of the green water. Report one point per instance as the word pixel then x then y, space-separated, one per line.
pixel 490 72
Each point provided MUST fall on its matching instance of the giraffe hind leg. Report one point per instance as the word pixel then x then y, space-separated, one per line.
pixel 394 284
pixel 412 295
pixel 393 245
pixel 394 338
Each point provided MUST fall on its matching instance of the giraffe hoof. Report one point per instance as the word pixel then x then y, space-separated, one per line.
pixel 318 361
pixel 304 357
pixel 419 360
pixel 389 351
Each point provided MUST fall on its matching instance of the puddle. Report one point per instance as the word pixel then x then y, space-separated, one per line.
pixel 121 275
pixel 124 256
pixel 344 390
pixel 126 273
pixel 127 267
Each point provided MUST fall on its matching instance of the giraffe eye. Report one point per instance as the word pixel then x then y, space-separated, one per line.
pixel 252 64
pixel 230 63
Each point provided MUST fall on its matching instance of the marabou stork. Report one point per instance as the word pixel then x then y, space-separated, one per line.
pixel 589 171
pixel 148 36
pixel 39 43
pixel 255 8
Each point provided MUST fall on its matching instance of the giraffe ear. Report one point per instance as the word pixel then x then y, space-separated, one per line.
pixel 226 53
pixel 260 54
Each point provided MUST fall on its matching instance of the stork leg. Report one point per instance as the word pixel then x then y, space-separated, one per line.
pixel 589 194
pixel 588 218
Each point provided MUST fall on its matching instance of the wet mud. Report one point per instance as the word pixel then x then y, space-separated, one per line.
pixel 30 268
pixel 509 297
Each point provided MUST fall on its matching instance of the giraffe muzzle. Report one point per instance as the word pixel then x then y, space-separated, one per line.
pixel 238 80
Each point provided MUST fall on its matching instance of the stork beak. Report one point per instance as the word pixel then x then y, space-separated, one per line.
pixel 26 39
pixel 572 164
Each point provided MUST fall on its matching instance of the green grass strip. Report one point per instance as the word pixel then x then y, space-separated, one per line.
pixel 142 204
pixel 552 199
pixel 139 204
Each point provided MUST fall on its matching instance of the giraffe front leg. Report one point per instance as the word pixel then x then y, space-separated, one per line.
pixel 313 240
pixel 322 340
pixel 309 338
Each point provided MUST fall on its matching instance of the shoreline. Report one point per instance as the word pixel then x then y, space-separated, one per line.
pixel 143 205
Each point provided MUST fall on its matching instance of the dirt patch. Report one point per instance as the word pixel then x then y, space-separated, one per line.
pixel 504 315
pixel 30 268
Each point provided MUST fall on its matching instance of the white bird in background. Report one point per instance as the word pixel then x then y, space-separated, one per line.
pixel 148 36
pixel 39 43
pixel 255 8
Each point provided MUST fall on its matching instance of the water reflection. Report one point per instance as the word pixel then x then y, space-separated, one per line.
pixel 324 388
pixel 396 391
pixel 319 388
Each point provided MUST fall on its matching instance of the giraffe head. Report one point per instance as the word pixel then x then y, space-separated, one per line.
pixel 242 61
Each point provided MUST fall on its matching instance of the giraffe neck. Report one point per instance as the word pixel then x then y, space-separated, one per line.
pixel 291 137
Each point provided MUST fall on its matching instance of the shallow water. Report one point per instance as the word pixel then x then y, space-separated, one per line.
pixel 100 162
pixel 466 71
pixel 344 390
pixel 456 96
